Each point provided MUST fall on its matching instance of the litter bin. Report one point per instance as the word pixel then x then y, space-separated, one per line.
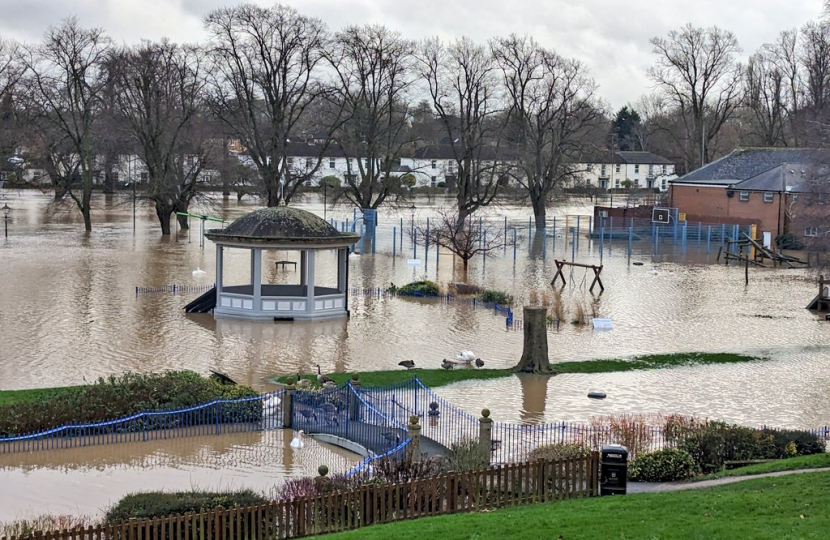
pixel 613 470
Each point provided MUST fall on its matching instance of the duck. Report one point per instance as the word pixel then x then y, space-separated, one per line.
pixel 329 385
pixel 446 364
pixel 408 364
pixel 322 379
pixel 297 442
pixel 466 356
pixel 479 363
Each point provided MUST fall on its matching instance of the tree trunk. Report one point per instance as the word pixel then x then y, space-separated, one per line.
pixel 539 211
pixel 535 352
pixel 163 211
pixel 184 222
pixel 85 211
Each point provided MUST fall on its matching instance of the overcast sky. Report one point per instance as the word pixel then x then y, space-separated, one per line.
pixel 610 36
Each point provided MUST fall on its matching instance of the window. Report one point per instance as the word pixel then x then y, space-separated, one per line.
pixel 349 163
pixel 636 182
pixel 433 180
pixel 450 165
pixel 434 164
pixel 617 184
pixel 115 176
pixel 603 183
pixel 663 184
pixel 769 196
pixel 664 169
pixel 744 196
pixel 617 168
pixel 309 164
pixel 603 170
pixel 331 163
pixel 145 177
pixel 366 162
pixel 811 231
pixel 636 169
pixel 290 161
pixel 651 170
pixel 189 160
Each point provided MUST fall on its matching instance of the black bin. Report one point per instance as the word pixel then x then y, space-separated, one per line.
pixel 613 470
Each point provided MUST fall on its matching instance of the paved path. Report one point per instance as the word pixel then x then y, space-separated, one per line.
pixel 660 487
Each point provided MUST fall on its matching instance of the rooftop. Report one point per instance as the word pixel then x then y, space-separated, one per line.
pixel 281 224
pixel 744 163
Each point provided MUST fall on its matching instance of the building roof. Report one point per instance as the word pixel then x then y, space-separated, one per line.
pixel 281 225
pixel 446 151
pixel 791 177
pixel 627 158
pixel 744 163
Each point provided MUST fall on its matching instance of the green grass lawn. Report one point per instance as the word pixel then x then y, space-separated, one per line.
pixel 782 508
pixel 440 377
pixel 815 461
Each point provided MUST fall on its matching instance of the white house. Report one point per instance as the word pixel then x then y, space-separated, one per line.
pixel 434 165
pixel 641 169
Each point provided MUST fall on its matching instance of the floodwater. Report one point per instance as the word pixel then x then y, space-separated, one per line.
pixel 85 481
pixel 69 313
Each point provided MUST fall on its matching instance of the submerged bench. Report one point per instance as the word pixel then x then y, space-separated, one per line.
pixel 283 263
pixel 734 464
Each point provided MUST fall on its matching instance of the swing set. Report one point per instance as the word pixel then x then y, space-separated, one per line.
pixel 559 274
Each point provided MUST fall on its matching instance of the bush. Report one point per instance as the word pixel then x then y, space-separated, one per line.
pixel 499 297
pixel 558 451
pixel 125 395
pixel 662 466
pixel 441 185
pixel 330 181
pixel 788 241
pixel 417 288
pixel 467 455
pixel 154 504
pixel 27 527
pixel 805 443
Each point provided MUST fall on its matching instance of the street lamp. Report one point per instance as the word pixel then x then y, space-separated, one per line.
pixel 6 211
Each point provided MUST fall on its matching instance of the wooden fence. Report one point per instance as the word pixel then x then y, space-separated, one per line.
pixel 495 487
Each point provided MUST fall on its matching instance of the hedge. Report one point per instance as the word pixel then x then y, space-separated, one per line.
pixel 662 466
pixel 153 504
pixel 119 396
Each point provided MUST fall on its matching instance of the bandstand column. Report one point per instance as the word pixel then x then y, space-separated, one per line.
pixel 342 259
pixel 219 262
pixel 310 283
pixel 256 277
pixel 303 265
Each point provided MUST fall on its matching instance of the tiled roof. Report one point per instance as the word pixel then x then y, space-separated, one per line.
pixel 744 163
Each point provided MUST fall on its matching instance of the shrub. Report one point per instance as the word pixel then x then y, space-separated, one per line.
pixel 330 181
pixel 441 185
pixel 131 393
pixel 788 241
pixel 153 504
pixel 417 288
pixel 22 528
pixel 805 443
pixel 499 297
pixel 467 455
pixel 662 466
pixel 558 451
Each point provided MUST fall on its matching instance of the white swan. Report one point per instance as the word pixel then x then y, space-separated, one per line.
pixel 198 272
pixel 270 405
pixel 466 356
pixel 297 442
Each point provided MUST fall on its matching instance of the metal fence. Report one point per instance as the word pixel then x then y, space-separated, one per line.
pixel 219 416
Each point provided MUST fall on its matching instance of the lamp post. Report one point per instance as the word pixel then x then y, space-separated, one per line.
pixel 6 211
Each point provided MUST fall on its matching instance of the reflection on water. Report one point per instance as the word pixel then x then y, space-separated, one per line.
pixel 69 313
pixel 85 481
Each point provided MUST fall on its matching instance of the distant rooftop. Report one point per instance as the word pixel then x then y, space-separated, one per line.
pixel 744 163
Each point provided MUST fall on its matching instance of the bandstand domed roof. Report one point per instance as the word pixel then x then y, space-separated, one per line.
pixel 281 225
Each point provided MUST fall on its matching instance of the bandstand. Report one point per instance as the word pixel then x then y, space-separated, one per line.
pixel 283 229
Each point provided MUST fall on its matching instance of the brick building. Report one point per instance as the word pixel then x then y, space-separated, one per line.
pixel 781 190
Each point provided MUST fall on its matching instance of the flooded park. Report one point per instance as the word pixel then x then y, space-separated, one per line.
pixel 71 313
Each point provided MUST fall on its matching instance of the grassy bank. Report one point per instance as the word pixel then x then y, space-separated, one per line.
pixel 794 506
pixel 815 461
pixel 440 377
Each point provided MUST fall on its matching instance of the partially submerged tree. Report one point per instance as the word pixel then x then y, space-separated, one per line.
pixel 265 77
pixel 67 79
pixel 535 357
pixel 465 238
pixel 697 72
pixel 159 94
pixel 374 69
pixel 463 86
pixel 551 108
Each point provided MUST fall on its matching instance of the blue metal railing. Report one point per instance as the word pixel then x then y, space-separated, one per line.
pixel 218 416
pixel 365 466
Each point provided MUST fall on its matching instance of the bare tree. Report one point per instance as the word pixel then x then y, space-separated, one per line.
pixel 465 238
pixel 159 94
pixel 551 107
pixel 785 54
pixel 697 72
pixel 815 57
pixel 374 68
pixel 266 63
pixel 11 70
pixel 765 97
pixel 67 79
pixel 463 87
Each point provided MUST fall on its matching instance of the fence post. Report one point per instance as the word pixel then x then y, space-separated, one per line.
pixel 414 433
pixel 354 413
pixel 485 433
pixel 288 404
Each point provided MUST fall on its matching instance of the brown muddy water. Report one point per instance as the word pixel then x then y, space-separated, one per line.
pixel 85 481
pixel 69 314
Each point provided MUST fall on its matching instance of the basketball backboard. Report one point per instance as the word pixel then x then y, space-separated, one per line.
pixel 661 215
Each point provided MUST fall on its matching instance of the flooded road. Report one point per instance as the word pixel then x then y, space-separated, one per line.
pixel 85 481
pixel 69 314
